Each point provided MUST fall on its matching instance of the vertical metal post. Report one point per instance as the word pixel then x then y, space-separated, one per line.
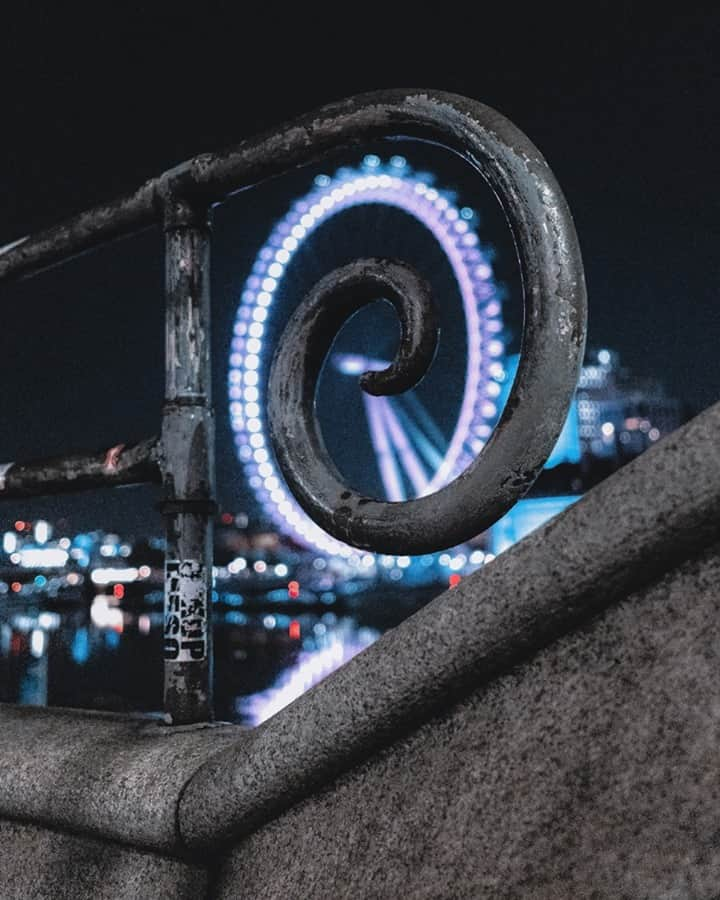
pixel 188 436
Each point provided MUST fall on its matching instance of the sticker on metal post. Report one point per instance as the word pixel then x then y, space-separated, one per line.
pixel 186 617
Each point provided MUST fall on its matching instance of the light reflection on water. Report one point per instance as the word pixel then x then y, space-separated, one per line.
pixel 338 645
pixel 109 656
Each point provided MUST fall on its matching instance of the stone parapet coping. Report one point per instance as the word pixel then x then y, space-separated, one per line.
pixel 101 774
pixel 191 789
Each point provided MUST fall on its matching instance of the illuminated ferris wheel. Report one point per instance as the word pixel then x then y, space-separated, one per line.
pixel 412 454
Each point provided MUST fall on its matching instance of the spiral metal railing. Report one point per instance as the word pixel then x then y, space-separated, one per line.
pixel 181 458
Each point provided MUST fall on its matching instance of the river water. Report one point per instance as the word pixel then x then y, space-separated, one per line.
pixel 101 654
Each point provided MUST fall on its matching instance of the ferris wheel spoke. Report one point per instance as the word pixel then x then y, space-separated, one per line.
pixel 427 423
pixel 387 465
pixel 406 455
pixel 432 455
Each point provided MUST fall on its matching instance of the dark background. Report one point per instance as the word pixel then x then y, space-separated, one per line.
pixel 621 99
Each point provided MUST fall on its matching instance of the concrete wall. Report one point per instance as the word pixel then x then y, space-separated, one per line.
pixel 591 771
pixel 547 729
pixel 44 864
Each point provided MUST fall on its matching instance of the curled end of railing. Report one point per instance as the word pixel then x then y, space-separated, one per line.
pixel 294 428
pixel 552 349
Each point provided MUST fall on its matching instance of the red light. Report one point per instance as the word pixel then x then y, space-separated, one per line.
pixel 16 587
pixel 19 525
pixel 454 580
pixel 294 590
pixel 227 518
pixel 294 630
pixel 118 591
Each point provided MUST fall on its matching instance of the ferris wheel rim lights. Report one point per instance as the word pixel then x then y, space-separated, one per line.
pixel 393 184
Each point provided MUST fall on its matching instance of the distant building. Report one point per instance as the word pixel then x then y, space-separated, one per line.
pixel 613 417
pixel 620 414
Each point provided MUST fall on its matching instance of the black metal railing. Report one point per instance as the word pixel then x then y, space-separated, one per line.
pixel 182 457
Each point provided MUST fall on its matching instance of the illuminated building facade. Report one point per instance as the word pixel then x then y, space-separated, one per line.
pixel 619 414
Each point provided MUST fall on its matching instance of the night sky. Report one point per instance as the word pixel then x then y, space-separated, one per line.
pixel 622 103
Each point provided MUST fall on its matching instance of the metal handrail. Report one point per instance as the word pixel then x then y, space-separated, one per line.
pixel 182 458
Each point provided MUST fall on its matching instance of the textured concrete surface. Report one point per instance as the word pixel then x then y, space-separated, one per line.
pixel 575 756
pixel 590 772
pixel 100 773
pixel 39 864
pixel 628 530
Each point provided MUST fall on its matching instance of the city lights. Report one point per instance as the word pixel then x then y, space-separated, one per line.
pixel 43 558
pixel 108 576
pixel 42 532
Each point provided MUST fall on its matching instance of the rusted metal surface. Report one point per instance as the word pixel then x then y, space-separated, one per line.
pixel 188 465
pixel 116 465
pixel 89 229
pixel 491 143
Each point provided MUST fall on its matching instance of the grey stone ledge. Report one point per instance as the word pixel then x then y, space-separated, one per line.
pixel 101 774
pixel 39 863
pixel 178 790
pixel 626 532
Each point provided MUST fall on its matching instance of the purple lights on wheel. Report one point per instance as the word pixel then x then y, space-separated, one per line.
pixel 393 184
